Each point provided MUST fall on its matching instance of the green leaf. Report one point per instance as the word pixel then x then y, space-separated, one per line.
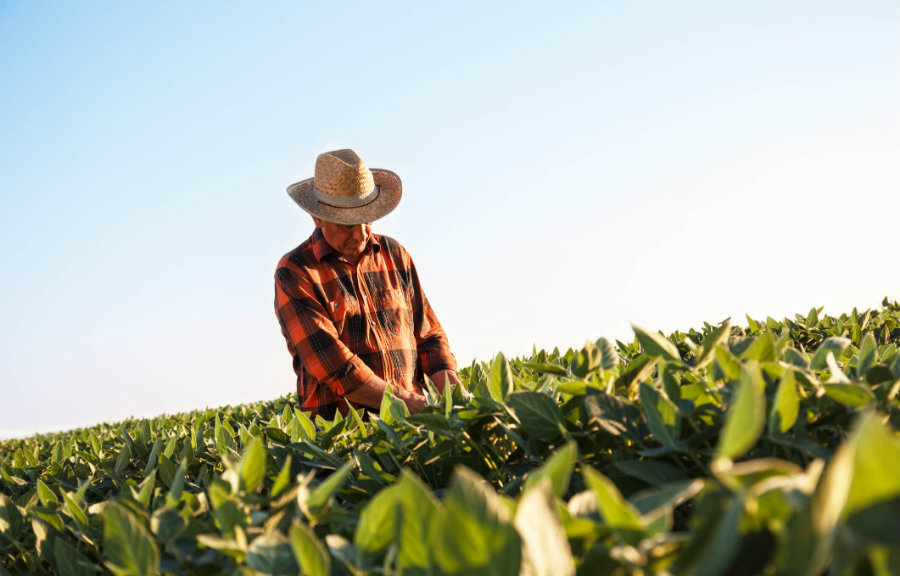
pixel 392 410
pixel 307 427
pixel 128 546
pixel 834 345
pixel 70 562
pixel 762 349
pixel 167 524
pixel 48 498
pixel 849 394
pixel 500 383
pixel 475 530
pixel 325 492
pixel 272 554
pixel 609 356
pixel 618 513
pixel 615 416
pixel 652 472
pixel 558 469
pixel 283 480
pixel 311 554
pixel 226 512
pixel 377 526
pixel 867 354
pixel 655 344
pixel 746 414
pixel 728 363
pixel 786 406
pixel 662 416
pixel 545 548
pixel 539 414
pixel 876 460
pixel 710 342
pixel 252 467
pixel 174 494
pixel 715 543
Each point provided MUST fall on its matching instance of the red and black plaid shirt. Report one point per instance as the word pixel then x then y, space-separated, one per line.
pixel 345 322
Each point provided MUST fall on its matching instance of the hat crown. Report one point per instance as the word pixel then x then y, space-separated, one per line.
pixel 342 173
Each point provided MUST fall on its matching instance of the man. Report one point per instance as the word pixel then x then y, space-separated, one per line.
pixel 349 302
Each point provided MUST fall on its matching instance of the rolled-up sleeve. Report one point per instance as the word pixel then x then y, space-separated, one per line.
pixel 432 345
pixel 311 335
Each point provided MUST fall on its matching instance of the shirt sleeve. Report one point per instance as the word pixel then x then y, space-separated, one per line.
pixel 312 337
pixel 432 346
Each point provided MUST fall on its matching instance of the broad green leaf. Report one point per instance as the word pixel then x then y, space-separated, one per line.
pixel 152 459
pixel 728 363
pixel 418 524
pixel 48 498
pixel 545 548
pixel 558 469
pixel 226 512
pixel 252 467
pixel 271 554
pixel 175 490
pixel 146 490
pixel 762 349
pixel 653 472
pixel 325 492
pixel 377 526
pixel 615 416
pixel 128 547
pixel 500 383
pixel 710 342
pixel 311 554
pixel 392 410
pixel 306 425
pixel 283 480
pixel 876 461
pixel 74 511
pixel 618 513
pixel 746 415
pixel 476 535
pixel 867 354
pixel 608 354
pixel 849 394
pixel 662 416
pixel 714 543
pixel 835 345
pixel 655 344
pixel 70 562
pixel 539 414
pixel 786 405
pixel 167 524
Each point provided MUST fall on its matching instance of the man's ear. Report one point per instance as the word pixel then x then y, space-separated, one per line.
pixel 317 221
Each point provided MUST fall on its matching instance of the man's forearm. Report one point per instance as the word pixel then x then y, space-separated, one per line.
pixel 442 377
pixel 371 392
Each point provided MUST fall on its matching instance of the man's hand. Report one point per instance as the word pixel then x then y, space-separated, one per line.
pixel 371 392
pixel 442 377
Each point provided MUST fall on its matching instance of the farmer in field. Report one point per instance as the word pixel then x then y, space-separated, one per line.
pixel 349 301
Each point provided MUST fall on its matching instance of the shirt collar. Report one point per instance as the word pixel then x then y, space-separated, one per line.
pixel 321 248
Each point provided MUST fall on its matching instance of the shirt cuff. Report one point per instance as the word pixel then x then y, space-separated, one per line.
pixel 434 361
pixel 349 377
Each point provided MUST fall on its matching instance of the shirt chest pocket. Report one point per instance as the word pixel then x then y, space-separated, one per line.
pixel 393 310
pixel 348 319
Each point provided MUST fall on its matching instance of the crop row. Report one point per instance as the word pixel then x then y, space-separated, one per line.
pixel 771 448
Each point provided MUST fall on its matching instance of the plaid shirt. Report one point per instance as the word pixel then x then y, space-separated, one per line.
pixel 344 322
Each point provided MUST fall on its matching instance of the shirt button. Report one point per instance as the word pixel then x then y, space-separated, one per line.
pixel 373 322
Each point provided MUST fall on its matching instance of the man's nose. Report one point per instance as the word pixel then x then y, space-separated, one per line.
pixel 359 232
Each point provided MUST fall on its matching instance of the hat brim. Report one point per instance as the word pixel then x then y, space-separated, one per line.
pixel 388 196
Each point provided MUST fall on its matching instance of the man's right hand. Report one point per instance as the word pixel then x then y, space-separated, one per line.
pixel 371 392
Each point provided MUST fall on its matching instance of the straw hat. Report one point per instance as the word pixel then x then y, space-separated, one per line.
pixel 345 191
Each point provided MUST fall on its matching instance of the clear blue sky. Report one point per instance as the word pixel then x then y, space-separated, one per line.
pixel 567 169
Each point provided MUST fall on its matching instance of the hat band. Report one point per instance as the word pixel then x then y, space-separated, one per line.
pixel 347 201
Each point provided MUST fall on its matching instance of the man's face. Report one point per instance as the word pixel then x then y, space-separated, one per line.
pixel 349 241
